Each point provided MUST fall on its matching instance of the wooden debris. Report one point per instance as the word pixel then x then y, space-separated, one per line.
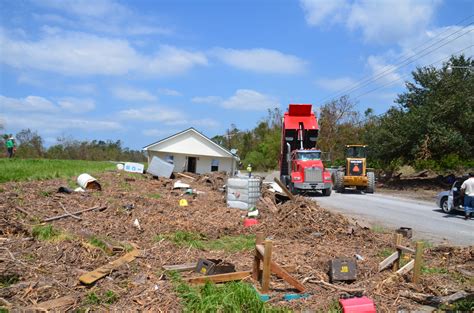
pixel 406 268
pixel 285 190
pixel 53 305
pixel 69 213
pixel 435 300
pixel 49 219
pixel 184 175
pixel 91 277
pixel 220 278
pixel 388 261
pixel 180 267
pixel 342 288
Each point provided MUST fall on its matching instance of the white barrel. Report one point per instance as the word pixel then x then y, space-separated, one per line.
pixel 86 181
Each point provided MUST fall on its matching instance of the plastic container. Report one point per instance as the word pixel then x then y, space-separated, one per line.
pixel 88 182
pixel 243 192
pixel 250 222
pixel 357 305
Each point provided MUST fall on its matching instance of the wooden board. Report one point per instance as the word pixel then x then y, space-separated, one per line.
pixel 91 277
pixel 285 190
pixel 180 267
pixel 406 268
pixel 220 278
pixel 406 249
pixel 388 261
pixel 53 304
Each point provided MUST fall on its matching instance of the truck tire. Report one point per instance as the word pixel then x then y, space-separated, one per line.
pixel 339 182
pixel 370 182
pixel 327 192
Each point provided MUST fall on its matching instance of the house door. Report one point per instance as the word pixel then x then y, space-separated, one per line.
pixel 192 164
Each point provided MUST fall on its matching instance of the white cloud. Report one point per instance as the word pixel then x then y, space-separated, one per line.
pixel 72 53
pixel 335 84
pixel 261 60
pixel 319 12
pixel 151 114
pixel 29 104
pixel 390 20
pixel 169 92
pixel 29 80
pixel 379 21
pixel 76 105
pixel 82 88
pixel 132 94
pixel 247 99
pixel 207 100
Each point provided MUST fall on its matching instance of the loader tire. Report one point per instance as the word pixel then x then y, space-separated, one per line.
pixel 327 192
pixel 339 182
pixel 370 182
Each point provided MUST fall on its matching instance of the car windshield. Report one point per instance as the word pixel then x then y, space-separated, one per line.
pixel 306 156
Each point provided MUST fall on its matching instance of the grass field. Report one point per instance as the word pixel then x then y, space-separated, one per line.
pixel 38 169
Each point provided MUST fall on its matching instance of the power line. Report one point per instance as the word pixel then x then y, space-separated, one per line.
pixel 390 68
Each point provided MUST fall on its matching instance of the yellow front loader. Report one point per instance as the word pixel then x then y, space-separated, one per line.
pixel 354 173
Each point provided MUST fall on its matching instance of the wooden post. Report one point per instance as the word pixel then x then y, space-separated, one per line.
pixel 256 260
pixel 267 258
pixel 397 240
pixel 418 261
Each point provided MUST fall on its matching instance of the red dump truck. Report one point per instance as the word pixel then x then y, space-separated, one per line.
pixel 301 166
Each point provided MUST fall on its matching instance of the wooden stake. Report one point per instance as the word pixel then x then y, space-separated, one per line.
pixel 184 175
pixel 267 258
pixel 256 259
pixel 73 213
pixel 220 278
pixel 418 262
pixel 397 238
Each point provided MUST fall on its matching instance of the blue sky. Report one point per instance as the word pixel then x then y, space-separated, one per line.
pixel 141 70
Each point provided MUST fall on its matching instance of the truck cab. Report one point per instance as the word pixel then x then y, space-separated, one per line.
pixel 307 172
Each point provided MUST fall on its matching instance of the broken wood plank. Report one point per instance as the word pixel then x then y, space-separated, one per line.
pixel 406 249
pixel 418 262
pixel 388 261
pixel 22 211
pixel 49 219
pixel 285 190
pixel 91 277
pixel 180 267
pixel 398 241
pixel 53 304
pixel 184 175
pixel 219 278
pixel 435 300
pixel 69 213
pixel 283 274
pixel 406 268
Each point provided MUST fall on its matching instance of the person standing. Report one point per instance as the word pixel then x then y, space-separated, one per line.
pixel 467 189
pixel 10 146
pixel 249 169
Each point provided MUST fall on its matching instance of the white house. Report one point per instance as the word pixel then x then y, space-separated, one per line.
pixel 191 151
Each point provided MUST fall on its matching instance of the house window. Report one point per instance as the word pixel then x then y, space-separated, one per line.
pixel 214 165
pixel 170 159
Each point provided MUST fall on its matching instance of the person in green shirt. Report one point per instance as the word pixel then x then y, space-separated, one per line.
pixel 10 146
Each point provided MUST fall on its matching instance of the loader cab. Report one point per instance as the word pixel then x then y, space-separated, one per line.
pixel 356 156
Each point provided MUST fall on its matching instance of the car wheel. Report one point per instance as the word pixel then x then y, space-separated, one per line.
pixel 444 205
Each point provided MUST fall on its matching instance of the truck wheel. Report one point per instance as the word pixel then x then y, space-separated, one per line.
pixel 339 182
pixel 327 192
pixel 370 182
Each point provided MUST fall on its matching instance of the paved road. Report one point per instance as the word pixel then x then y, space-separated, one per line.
pixel 427 221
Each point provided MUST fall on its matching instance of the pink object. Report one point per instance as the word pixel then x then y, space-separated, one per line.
pixel 249 222
pixel 357 305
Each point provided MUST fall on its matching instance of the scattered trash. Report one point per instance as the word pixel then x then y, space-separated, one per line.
pixel 250 222
pixel 183 202
pixel 64 190
pixel 74 213
pixel 128 207
pixel 179 185
pixel 295 296
pixel 79 189
pixel 120 166
pixel 86 181
pixel 407 232
pixel 342 270
pixel 316 234
pixel 160 168
pixel 356 304
pixel 136 223
pixel 133 167
pixel 359 257
pixel 214 266
pixel 253 212
pixel 243 192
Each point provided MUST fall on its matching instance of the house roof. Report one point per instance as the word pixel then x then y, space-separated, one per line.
pixel 193 130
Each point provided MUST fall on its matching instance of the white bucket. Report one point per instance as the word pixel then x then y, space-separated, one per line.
pixel 86 181
pixel 120 166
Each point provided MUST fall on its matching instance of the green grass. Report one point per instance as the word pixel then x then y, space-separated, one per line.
pixel 92 298
pixel 39 169
pixel 99 243
pixel 45 232
pixel 154 195
pixel 385 253
pixel 198 241
pixel 8 280
pixel 433 270
pixel 334 307
pixel 108 297
pixel 229 297
pixel 3 310
pixel 464 305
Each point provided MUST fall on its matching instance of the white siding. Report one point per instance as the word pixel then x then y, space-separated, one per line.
pixel 203 163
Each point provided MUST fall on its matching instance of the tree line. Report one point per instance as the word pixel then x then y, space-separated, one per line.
pixel 430 125
pixel 29 144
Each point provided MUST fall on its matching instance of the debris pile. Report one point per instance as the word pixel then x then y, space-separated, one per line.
pixel 48 240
